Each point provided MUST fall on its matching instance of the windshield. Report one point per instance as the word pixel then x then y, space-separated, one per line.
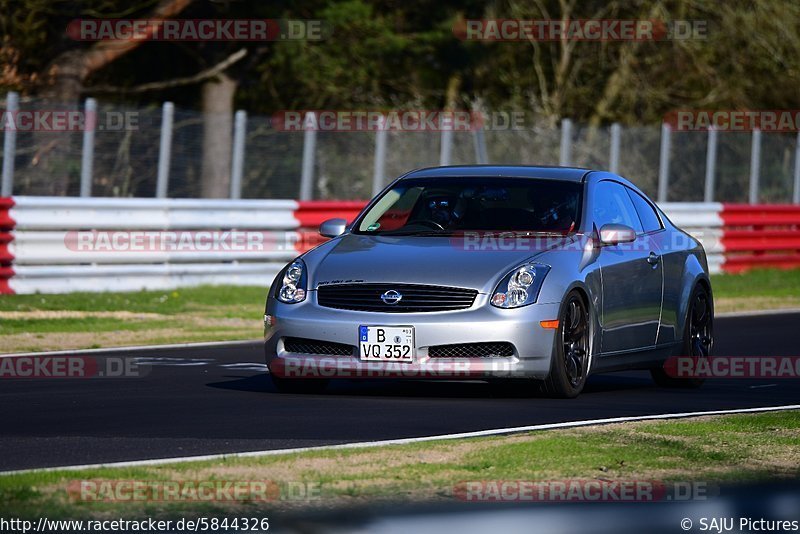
pixel 450 205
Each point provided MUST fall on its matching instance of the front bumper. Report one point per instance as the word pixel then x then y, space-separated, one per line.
pixel 533 345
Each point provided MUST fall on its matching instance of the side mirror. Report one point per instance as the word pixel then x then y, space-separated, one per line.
pixel 614 234
pixel 333 227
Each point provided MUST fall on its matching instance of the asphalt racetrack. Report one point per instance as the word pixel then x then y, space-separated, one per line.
pixel 195 401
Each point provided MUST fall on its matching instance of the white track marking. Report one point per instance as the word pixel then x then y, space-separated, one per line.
pixel 138 348
pixel 245 366
pixel 403 441
pixel 174 362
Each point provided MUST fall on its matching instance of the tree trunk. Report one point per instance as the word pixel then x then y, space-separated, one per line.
pixel 55 160
pixel 215 177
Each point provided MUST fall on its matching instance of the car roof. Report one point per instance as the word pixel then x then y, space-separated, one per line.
pixel 572 174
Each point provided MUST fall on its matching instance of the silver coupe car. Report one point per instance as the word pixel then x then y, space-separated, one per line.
pixel 538 275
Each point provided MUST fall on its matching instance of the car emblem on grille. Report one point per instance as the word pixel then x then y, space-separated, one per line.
pixel 391 297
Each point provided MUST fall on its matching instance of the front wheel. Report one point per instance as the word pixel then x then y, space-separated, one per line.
pixel 569 366
pixel 698 339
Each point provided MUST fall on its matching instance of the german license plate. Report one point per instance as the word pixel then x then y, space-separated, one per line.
pixel 386 343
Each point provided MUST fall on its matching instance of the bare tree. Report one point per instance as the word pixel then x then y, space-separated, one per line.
pixel 65 78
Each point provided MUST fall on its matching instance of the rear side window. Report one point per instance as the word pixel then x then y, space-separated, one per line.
pixel 647 214
pixel 612 205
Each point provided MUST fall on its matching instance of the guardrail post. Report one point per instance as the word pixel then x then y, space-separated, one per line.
pixel 479 143
pixel 165 150
pixel 446 145
pixel 379 168
pixel 237 159
pixel 755 165
pixel 613 157
pixel 711 164
pixel 663 163
pixel 565 151
pixel 87 153
pixel 309 151
pixel 9 146
pixel 796 192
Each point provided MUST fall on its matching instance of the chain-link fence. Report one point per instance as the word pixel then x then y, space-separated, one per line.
pixel 163 151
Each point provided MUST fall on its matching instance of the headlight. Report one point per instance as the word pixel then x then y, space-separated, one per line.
pixel 293 285
pixel 520 287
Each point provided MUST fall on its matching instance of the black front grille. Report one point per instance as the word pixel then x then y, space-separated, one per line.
pixel 416 298
pixel 301 345
pixel 471 350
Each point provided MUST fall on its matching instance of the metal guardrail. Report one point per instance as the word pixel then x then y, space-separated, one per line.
pixel 66 213
pixel 761 236
pixel 702 221
pixel 47 232
pixel 39 235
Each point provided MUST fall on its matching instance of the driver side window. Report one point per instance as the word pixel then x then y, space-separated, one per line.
pixel 612 205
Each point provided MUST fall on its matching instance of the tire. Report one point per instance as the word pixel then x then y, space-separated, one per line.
pixel 299 385
pixel 698 339
pixel 569 366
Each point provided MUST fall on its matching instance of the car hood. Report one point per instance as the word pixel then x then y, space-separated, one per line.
pixel 471 262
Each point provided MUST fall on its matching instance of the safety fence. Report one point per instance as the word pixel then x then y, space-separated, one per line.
pixel 65 244
pixel 164 152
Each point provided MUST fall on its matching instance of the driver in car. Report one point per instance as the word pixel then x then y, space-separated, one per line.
pixel 550 210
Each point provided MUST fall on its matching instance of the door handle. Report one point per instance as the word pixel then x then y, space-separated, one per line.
pixel 653 258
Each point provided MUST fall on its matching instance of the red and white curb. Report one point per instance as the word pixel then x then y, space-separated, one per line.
pixel 6 237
